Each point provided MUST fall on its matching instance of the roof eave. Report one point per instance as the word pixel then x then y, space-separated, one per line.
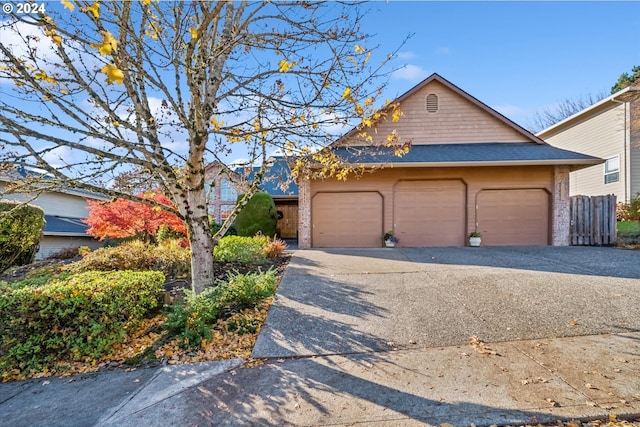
pixel 552 162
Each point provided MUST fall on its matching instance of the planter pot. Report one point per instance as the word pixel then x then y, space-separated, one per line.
pixel 389 244
pixel 475 241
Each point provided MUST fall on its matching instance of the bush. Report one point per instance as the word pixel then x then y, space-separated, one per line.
pixel 169 257
pixel 258 216
pixel 66 253
pixel 80 318
pixel 246 250
pixel 192 321
pixel 20 230
pixel 275 248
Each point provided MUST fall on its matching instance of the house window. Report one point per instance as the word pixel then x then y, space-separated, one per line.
pixel 228 192
pixel 432 103
pixel 225 210
pixel 612 170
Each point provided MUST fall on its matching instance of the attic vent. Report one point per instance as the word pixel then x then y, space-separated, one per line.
pixel 432 103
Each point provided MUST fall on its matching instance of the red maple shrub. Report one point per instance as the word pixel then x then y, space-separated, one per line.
pixel 126 218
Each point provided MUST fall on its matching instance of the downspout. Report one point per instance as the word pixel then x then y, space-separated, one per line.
pixel 627 182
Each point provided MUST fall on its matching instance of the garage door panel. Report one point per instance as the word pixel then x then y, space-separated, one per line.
pixel 513 217
pixel 350 220
pixel 430 213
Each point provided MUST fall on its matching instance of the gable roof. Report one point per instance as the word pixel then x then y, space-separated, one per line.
pixel 277 180
pixel 20 174
pixel 604 104
pixel 479 104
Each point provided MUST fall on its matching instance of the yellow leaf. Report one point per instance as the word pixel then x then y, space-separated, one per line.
pixel 347 93
pixel 68 5
pixel 115 123
pixel 396 115
pixel 94 9
pixel 108 45
pixel 64 91
pixel 146 2
pixel 284 66
pixel 358 49
pixel 194 33
pixel 114 74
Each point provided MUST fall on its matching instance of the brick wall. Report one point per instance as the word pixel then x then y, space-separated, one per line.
pixel 561 215
pixel 304 214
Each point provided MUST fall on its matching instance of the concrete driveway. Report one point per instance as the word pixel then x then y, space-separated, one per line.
pixel 347 301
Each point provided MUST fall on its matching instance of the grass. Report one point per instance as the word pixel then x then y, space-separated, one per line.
pixel 628 227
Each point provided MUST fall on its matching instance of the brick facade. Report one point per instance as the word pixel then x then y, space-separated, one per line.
pixel 304 214
pixel 561 204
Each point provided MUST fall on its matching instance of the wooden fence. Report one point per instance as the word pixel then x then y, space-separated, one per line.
pixel 593 220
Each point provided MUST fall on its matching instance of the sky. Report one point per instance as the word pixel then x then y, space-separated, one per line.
pixel 516 57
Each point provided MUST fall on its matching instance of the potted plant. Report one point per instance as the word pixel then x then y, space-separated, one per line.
pixel 389 239
pixel 475 239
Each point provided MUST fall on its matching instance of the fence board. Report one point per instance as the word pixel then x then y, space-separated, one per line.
pixel 593 220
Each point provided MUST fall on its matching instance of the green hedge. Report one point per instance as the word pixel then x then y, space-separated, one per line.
pixel 20 230
pixel 246 250
pixel 80 318
pixel 259 215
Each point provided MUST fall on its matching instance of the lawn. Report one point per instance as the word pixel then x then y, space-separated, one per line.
pixel 628 227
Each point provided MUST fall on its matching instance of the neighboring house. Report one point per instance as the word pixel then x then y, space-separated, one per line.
pixel 469 169
pixel 64 209
pixel 609 129
pixel 225 185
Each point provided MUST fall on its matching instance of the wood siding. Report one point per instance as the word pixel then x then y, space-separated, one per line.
pixel 601 135
pixel 457 121
pixel 49 245
pixel 53 203
pixel 475 179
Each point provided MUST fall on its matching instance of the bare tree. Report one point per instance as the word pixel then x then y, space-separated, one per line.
pixel 549 116
pixel 100 88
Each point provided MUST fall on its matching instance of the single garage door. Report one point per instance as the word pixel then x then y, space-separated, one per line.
pixel 513 217
pixel 346 220
pixel 430 213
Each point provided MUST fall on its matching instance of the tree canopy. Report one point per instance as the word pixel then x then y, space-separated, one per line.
pixel 95 89
pixel 626 80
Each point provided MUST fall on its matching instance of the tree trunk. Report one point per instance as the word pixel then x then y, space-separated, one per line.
pixel 202 269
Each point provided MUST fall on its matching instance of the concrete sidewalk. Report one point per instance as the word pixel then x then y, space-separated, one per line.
pixel 381 337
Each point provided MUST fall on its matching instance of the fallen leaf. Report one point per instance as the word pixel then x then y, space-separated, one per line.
pixel 573 323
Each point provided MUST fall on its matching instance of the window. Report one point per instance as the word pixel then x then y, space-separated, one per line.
pixel 612 170
pixel 432 103
pixel 228 192
pixel 225 211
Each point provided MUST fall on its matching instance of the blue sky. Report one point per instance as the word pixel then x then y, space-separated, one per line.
pixel 517 57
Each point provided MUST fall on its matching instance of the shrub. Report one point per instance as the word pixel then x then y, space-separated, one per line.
pixel 246 290
pixel 133 255
pixel 275 248
pixel 246 250
pixel 169 257
pixel 192 321
pixel 257 216
pixel 80 318
pixel 66 253
pixel 20 230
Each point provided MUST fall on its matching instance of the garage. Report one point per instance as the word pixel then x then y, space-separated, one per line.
pixel 513 217
pixel 430 212
pixel 347 220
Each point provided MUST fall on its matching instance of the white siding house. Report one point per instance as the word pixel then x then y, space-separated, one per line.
pixel 64 211
pixel 609 129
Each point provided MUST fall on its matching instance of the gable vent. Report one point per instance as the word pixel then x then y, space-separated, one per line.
pixel 432 103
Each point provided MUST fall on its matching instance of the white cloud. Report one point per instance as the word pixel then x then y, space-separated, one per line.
pixel 413 73
pixel 509 110
pixel 407 55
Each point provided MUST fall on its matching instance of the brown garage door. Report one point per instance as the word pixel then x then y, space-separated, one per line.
pixel 346 220
pixel 513 217
pixel 430 213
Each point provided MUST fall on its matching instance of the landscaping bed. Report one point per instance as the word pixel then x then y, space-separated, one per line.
pixel 180 327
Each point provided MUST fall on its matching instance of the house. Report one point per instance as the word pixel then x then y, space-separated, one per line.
pixel 225 185
pixel 469 169
pixel 609 129
pixel 64 209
